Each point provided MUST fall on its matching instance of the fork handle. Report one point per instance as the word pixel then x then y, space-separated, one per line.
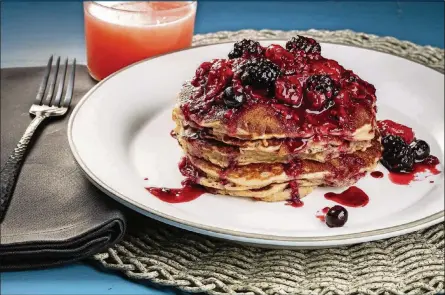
pixel 11 170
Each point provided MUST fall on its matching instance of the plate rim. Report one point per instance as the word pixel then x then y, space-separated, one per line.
pixel 239 235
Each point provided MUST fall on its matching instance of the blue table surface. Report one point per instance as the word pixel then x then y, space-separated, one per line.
pixel 31 31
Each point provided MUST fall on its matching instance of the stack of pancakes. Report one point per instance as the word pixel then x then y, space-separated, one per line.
pixel 260 155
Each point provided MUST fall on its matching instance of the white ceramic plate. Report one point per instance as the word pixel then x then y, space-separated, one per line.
pixel 120 134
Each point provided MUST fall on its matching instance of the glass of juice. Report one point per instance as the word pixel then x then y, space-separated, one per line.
pixel 120 33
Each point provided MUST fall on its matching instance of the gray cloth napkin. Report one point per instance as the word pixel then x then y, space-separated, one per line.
pixel 56 215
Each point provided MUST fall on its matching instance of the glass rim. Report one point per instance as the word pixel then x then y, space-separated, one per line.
pixel 189 3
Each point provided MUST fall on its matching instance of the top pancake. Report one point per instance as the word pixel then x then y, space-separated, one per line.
pixel 349 113
pixel 259 121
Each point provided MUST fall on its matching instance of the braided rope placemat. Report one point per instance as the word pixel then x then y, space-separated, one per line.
pixel 409 264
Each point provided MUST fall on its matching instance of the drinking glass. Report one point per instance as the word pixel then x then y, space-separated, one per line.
pixel 120 33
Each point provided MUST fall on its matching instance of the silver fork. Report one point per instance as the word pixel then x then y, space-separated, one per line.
pixel 42 108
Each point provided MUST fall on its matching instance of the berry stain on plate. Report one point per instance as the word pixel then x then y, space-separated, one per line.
pixel 187 193
pixel 352 197
pixel 295 202
pixel 407 158
pixel 377 174
pixel 420 172
pixel 321 214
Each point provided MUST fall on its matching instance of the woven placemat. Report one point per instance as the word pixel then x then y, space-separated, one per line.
pixel 409 264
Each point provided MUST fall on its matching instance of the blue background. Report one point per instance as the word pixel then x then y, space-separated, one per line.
pixel 31 31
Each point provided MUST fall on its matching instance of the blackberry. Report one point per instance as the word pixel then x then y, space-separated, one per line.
pixel 350 77
pixel 320 91
pixel 260 73
pixel 421 150
pixel 249 46
pixel 402 162
pixel 232 99
pixel 398 156
pixel 336 216
pixel 321 83
pixel 392 145
pixel 306 44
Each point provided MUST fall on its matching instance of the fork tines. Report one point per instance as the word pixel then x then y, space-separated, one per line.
pixel 56 101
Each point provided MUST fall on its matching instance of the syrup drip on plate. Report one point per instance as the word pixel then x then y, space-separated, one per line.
pixel 377 174
pixel 352 197
pixel 406 157
pixel 190 189
pixel 187 193
pixel 322 214
pixel 295 200
pixel 428 166
pixel 188 170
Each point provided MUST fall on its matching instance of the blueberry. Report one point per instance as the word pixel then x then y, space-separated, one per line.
pixel 421 150
pixel 232 99
pixel 336 216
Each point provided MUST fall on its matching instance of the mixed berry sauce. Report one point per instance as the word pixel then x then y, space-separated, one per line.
pixel 293 169
pixel 190 189
pixel 404 155
pixel 311 96
pixel 294 200
pixel 389 127
pixel 189 170
pixel 295 145
pixel 377 174
pixel 352 197
pixel 307 93
pixel 428 166
pixel 322 214
pixel 187 193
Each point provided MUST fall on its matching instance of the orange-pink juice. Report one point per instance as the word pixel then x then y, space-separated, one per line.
pixel 120 33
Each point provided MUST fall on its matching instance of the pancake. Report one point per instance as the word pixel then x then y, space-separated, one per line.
pixel 230 151
pixel 260 121
pixel 268 179
pixel 271 193
pixel 273 123
pixel 341 171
